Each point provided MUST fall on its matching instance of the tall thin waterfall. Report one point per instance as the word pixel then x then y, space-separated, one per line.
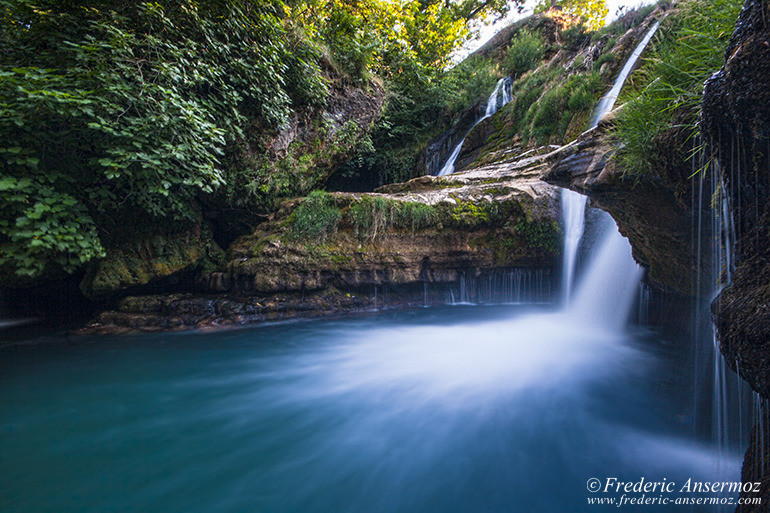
pixel 573 203
pixel 715 235
pixel 500 95
pixel 573 206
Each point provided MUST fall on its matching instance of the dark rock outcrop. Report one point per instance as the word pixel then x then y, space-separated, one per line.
pixel 148 261
pixel 173 312
pixel 653 215
pixel 736 122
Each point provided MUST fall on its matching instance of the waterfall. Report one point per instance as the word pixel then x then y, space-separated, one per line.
pixel 573 203
pixel 607 103
pixel 609 287
pixel 501 89
pixel 715 227
pixel 573 207
pixel 515 286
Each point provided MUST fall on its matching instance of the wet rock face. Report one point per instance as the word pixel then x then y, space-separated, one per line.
pixel 345 104
pixel 652 215
pixel 736 114
pixel 742 313
pixel 173 312
pixel 756 466
pixel 736 122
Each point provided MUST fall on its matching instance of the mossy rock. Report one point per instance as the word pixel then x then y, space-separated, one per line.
pixel 148 260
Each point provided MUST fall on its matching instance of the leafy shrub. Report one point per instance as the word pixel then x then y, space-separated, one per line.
pixel 524 53
pixel 316 219
pixel 123 110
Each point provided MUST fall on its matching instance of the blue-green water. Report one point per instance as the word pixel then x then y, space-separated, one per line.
pixel 470 410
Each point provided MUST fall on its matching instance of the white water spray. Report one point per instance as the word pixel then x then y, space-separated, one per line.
pixel 609 287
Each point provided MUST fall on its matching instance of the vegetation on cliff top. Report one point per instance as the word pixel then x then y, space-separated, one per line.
pixel 593 12
pixel 666 91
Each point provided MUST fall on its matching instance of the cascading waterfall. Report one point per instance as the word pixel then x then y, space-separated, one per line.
pixel 715 239
pixel 498 99
pixel 573 203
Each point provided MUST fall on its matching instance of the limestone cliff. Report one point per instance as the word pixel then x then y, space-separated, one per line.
pixel 410 241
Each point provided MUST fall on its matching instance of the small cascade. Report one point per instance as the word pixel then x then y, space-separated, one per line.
pixel 573 203
pixel 607 103
pixel 724 399
pixel 643 316
pixel 499 98
pixel 519 286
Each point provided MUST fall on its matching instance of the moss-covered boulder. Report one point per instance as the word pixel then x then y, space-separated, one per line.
pixel 430 230
pixel 149 261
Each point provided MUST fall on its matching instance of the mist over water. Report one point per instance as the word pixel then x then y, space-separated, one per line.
pixel 441 410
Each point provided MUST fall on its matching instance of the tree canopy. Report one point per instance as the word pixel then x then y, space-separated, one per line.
pixel 593 12
pixel 121 109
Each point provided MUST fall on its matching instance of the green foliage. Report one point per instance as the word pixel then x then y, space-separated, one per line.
pixel 549 114
pixel 123 110
pixel 389 38
pixel 373 216
pixel 41 226
pixel 524 53
pixel 592 12
pixel 668 87
pixel 316 219
pixel 415 216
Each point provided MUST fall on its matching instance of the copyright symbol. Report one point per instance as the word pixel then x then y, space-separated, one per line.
pixel 593 485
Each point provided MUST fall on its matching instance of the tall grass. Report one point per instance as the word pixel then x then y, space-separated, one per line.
pixel 668 88
pixel 374 216
pixel 316 219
